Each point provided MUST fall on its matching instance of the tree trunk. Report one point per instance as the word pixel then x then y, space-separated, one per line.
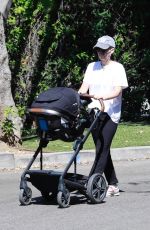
pixel 10 122
pixel 4 7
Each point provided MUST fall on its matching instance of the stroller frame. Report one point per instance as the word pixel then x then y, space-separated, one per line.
pixel 93 187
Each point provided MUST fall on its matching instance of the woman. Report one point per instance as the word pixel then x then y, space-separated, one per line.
pixel 105 79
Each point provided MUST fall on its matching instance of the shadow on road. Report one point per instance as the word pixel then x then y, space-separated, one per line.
pixel 75 199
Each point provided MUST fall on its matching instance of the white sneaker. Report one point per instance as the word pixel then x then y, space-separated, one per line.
pixel 112 191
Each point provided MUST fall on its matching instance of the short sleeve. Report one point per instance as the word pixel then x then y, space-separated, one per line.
pixel 87 75
pixel 120 78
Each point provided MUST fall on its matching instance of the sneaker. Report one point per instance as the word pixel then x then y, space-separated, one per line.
pixel 112 191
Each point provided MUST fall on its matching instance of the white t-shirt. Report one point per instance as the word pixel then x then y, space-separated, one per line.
pixel 102 80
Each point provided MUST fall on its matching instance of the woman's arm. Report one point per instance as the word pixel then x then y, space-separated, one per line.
pixel 115 93
pixel 84 88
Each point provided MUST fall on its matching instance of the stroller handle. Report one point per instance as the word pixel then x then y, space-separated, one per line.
pixel 86 95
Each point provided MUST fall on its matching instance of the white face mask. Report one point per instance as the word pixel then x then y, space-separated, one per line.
pixel 105 56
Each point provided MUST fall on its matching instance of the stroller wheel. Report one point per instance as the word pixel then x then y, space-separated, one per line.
pixel 25 196
pixel 96 188
pixel 63 199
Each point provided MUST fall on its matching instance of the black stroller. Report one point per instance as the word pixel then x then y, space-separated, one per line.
pixel 61 113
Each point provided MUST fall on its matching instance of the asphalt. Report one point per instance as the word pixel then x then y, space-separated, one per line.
pixel 20 161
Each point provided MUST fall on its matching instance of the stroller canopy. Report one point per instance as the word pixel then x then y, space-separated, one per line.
pixel 61 99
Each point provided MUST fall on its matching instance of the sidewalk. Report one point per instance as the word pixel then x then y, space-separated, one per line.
pixel 14 161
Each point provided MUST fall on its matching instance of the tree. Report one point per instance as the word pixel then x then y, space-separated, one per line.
pixel 55 39
pixel 10 122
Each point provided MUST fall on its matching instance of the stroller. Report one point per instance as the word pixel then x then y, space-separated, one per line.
pixel 61 113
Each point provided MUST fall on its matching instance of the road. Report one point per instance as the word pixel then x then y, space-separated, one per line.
pixel 129 211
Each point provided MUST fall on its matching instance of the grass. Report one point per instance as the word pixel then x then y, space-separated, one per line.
pixel 128 134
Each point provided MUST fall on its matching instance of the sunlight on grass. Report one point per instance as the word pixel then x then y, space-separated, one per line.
pixel 128 134
pixel 132 135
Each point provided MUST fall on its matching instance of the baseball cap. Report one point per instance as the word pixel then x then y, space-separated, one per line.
pixel 105 42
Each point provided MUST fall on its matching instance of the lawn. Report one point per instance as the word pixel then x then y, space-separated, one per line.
pixel 128 134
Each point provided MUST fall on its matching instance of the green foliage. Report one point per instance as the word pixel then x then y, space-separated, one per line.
pixel 50 44
pixel 8 126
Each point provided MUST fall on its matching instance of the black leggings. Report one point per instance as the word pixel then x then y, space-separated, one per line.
pixel 102 136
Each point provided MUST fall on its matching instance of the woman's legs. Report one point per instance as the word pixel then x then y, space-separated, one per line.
pixel 102 138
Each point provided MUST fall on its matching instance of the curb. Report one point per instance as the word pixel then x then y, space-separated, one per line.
pixel 7 161
pixel 16 161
